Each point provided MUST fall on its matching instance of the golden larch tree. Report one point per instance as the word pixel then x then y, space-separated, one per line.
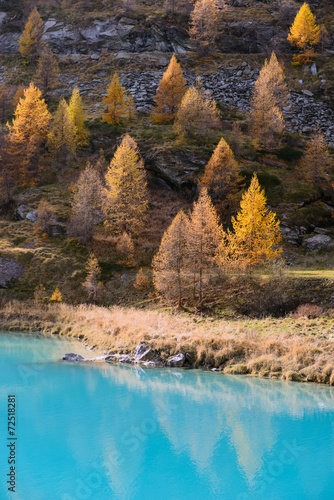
pixel 267 121
pixel 126 195
pixel 304 33
pixel 203 238
pixel 171 89
pixel 221 175
pixel 47 74
pixel 316 161
pixel 169 263
pixel 87 204
pixel 78 117
pixel 115 102
pixel 28 132
pixel 205 21
pixel 62 139
pixel 197 114
pixel 272 74
pixel 255 234
pixel 31 38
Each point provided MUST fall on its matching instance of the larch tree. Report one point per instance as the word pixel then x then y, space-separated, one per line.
pixel 8 177
pixel 272 74
pixel 171 89
pixel 221 176
pixel 316 161
pixel 255 234
pixel 169 263
pixel 131 110
pixel 93 287
pixel 304 33
pixel 87 204
pixel 203 238
pixel 28 132
pixel 47 74
pixel 78 117
pixel 31 38
pixel 62 139
pixel 205 22
pixel 267 121
pixel 197 114
pixel 115 102
pixel 126 189
pixel 4 103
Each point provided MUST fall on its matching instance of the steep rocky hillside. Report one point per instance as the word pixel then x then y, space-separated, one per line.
pixel 92 39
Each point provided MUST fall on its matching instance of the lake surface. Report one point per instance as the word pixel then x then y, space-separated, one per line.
pixel 119 432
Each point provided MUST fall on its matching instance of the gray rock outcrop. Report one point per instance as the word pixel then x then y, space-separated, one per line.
pixel 317 242
pixel 176 361
pixel 10 271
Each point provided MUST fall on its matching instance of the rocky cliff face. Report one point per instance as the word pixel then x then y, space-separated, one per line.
pixel 111 35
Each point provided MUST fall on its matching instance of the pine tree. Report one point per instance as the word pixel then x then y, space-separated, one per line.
pixel 197 114
pixel 115 102
pixel 205 22
pixel 170 261
pixel 316 161
pixel 87 204
pixel 221 175
pixel 131 110
pixel 62 139
pixel 47 75
pixel 93 287
pixel 304 33
pixel 255 233
pixel 77 115
pixel 267 121
pixel 30 41
pixel 28 131
pixel 171 89
pixel 203 238
pixel 126 188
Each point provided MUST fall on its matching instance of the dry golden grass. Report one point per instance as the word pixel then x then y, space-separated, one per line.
pixel 285 348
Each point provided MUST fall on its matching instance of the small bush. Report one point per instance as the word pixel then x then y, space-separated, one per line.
pixel 142 282
pixel 56 296
pixel 290 154
pixel 309 311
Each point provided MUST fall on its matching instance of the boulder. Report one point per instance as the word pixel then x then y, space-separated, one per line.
pixel 32 216
pixel 21 212
pixel 118 358
pixel 71 356
pixel 10 271
pixel 124 358
pixel 143 353
pixel 177 360
pixel 313 69
pixel 317 242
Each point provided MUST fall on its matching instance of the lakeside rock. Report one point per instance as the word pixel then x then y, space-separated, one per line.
pixel 71 356
pixel 176 361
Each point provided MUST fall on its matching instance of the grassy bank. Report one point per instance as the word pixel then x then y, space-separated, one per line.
pixel 297 349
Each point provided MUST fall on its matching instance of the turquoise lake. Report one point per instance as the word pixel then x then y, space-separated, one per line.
pixel 96 431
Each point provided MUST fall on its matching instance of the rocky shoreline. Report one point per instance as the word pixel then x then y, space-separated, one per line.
pixel 142 355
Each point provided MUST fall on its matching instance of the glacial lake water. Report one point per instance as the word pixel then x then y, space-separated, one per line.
pixel 105 432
